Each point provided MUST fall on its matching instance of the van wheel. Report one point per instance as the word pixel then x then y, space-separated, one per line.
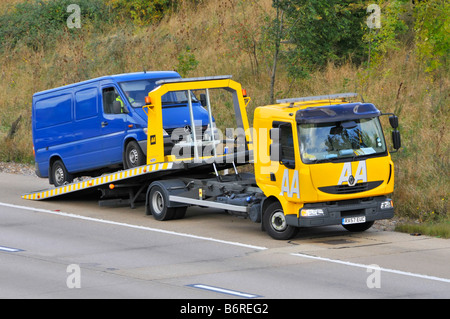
pixel 60 175
pixel 134 156
pixel 274 222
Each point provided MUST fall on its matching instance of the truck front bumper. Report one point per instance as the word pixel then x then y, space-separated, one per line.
pixel 339 212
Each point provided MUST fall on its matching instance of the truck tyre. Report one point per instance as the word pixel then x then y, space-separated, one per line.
pixel 134 156
pixel 358 227
pixel 158 204
pixel 60 175
pixel 180 212
pixel 274 222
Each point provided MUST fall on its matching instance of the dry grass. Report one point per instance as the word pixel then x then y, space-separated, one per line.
pixel 220 34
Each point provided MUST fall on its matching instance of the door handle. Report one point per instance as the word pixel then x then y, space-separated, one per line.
pixel 104 123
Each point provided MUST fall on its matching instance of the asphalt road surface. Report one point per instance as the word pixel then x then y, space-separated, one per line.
pixel 77 249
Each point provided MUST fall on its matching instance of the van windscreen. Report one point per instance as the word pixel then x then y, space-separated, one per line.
pixel 136 91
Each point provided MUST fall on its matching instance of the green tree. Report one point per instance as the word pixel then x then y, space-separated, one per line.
pixel 432 29
pixel 379 41
pixel 322 31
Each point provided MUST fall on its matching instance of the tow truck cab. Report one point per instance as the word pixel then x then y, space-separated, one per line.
pixel 325 162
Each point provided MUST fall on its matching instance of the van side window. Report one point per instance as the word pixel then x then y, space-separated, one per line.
pixel 110 95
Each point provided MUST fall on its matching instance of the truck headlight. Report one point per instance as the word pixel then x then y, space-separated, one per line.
pixel 387 204
pixel 312 212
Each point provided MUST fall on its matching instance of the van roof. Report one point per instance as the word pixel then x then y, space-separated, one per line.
pixel 120 78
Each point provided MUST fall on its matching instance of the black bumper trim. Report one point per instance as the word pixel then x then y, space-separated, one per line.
pixel 335 211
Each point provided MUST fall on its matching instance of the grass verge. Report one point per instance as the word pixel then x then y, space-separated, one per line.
pixel 440 229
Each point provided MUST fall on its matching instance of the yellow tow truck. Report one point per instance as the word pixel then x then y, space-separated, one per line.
pixel 315 161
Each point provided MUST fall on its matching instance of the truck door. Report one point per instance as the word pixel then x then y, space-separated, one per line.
pixel 285 176
pixel 113 123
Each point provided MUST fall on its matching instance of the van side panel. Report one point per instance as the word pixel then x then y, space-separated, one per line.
pixel 86 152
pixel 52 125
pixel 68 124
pixel 54 111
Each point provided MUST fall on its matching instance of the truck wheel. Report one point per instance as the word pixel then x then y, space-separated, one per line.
pixel 134 156
pixel 180 212
pixel 158 204
pixel 274 222
pixel 358 227
pixel 60 175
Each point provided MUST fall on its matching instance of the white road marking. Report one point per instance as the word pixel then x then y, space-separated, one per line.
pixel 224 291
pixel 347 263
pixel 59 213
pixel 9 249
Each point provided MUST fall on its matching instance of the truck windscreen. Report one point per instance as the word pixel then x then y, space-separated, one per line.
pixel 136 91
pixel 353 139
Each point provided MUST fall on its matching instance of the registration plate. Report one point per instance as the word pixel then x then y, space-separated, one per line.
pixel 353 220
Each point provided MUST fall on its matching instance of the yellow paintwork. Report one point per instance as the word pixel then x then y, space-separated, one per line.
pixel 97 181
pixel 155 143
pixel 302 183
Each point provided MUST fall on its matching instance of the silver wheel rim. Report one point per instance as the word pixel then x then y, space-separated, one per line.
pixel 133 156
pixel 59 175
pixel 278 221
pixel 158 202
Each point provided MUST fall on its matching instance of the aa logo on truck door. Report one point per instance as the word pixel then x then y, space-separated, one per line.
pixel 292 187
pixel 346 174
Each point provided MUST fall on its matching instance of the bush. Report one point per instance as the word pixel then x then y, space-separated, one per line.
pixel 38 23
pixel 142 12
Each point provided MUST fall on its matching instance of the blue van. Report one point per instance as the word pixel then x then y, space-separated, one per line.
pixel 98 125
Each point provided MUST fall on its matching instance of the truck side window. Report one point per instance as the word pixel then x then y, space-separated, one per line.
pixel 110 95
pixel 285 144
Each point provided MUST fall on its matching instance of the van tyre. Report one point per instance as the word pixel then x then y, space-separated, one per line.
pixel 158 204
pixel 274 222
pixel 134 156
pixel 60 175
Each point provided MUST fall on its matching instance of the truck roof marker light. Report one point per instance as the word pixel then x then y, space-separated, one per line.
pixel 318 98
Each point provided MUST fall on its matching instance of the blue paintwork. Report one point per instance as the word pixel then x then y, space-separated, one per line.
pixel 67 123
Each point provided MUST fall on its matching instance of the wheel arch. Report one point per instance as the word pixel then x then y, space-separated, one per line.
pixel 266 202
pixel 52 159
pixel 128 139
pixel 169 187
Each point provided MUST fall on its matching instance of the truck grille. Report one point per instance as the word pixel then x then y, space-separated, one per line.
pixel 346 189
